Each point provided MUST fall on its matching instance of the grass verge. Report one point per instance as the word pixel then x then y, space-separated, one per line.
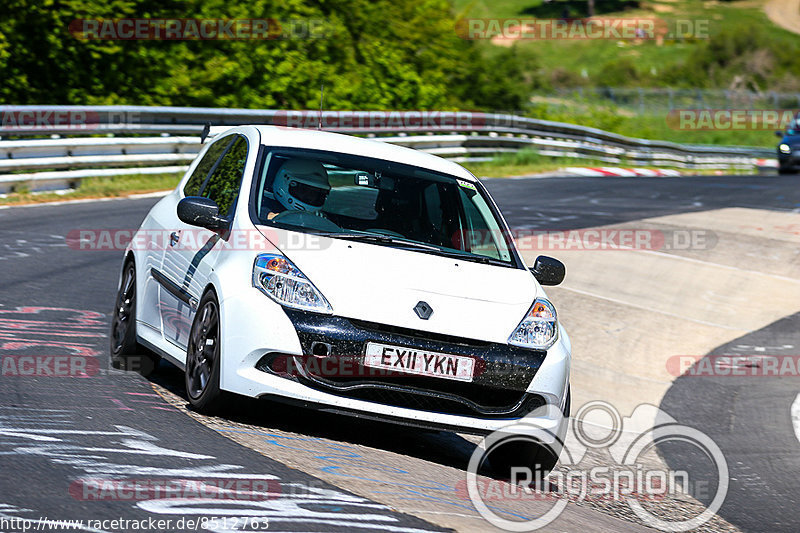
pixel 648 126
pixel 103 187
pixel 519 163
pixel 526 162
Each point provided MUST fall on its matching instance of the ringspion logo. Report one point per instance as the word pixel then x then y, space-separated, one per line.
pixel 628 476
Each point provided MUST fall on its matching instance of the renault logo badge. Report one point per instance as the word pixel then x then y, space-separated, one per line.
pixel 423 310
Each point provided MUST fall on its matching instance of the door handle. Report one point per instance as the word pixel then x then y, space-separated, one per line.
pixel 174 237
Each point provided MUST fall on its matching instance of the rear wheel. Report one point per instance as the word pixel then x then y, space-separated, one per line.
pixel 203 357
pixel 126 353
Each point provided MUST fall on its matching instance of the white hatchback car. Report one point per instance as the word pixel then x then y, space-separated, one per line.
pixel 343 274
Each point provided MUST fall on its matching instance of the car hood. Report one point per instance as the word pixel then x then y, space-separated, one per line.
pixel 381 284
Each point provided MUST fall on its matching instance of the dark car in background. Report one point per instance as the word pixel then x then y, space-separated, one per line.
pixel 789 150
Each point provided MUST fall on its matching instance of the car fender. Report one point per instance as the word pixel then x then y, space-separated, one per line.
pixel 251 324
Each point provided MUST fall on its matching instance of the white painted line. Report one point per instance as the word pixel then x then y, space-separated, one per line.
pixel 710 263
pixel 156 194
pixel 637 306
pixel 460 515
pixel 796 416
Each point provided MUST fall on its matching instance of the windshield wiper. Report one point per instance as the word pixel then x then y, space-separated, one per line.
pixel 468 256
pixel 385 239
pixel 402 242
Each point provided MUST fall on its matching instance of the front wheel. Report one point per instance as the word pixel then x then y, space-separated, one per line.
pixel 126 353
pixel 203 357
pixel 540 459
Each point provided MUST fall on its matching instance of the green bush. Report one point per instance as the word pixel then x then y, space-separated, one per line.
pixel 376 54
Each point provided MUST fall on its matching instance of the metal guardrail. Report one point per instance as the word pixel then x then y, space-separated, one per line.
pixel 93 149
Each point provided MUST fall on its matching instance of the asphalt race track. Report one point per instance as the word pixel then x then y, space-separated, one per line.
pixel 761 449
pixel 60 435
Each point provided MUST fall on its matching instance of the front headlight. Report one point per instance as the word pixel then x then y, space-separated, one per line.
pixel 278 278
pixel 784 148
pixel 539 328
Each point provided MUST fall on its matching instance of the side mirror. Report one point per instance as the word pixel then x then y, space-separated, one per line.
pixel 202 212
pixel 548 271
pixel 779 134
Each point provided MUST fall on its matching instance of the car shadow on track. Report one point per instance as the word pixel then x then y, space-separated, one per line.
pixel 441 447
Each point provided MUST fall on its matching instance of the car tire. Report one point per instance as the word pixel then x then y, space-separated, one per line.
pixel 125 352
pixel 203 358
pixel 784 171
pixel 541 459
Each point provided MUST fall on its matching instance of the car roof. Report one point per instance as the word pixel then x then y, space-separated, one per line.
pixel 348 144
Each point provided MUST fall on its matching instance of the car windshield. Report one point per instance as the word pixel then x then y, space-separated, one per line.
pixel 380 202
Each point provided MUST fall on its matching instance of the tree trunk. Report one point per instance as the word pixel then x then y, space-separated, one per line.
pixel 591 7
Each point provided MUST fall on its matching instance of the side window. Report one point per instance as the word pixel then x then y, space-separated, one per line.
pixel 485 234
pixel 223 185
pixel 205 165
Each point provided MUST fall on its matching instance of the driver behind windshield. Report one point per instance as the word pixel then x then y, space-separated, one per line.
pixel 299 185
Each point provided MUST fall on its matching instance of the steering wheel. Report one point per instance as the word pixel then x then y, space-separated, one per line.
pixel 388 232
pixel 305 219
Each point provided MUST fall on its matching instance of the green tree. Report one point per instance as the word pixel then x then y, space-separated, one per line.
pixel 375 54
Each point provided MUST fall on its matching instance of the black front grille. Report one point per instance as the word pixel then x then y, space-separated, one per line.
pixel 413 392
pixel 497 390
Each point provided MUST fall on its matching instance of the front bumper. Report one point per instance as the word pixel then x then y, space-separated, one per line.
pixel 333 350
pixel 790 161
pixel 512 383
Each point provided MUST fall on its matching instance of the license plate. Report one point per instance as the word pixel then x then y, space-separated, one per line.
pixel 419 362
